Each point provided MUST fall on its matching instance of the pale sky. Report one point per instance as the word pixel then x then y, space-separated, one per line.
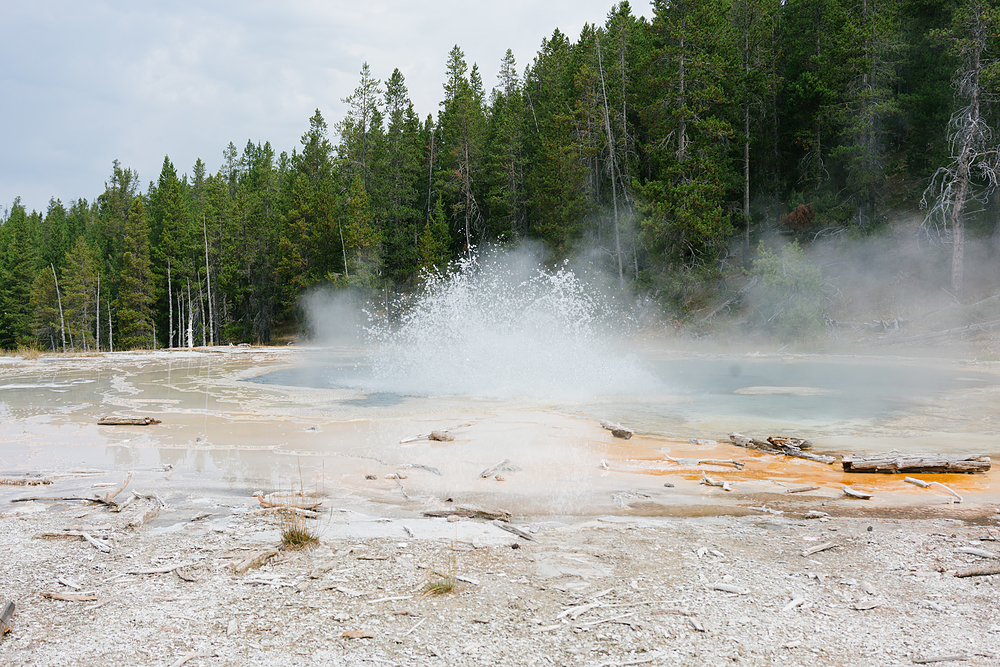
pixel 87 82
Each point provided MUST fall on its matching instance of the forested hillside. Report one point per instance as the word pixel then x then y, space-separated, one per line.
pixel 665 147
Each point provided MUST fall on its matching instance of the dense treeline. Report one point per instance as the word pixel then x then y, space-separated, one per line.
pixel 664 147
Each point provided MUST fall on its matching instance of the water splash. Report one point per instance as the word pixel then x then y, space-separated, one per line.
pixel 501 326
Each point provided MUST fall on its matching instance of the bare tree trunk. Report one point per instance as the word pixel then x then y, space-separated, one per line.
pixel 190 328
pixel 201 308
pixel 111 333
pixel 62 322
pixel 614 187
pixel 208 281
pixel 958 226
pixel 746 185
pixel 170 302
pixel 682 129
pixel 98 311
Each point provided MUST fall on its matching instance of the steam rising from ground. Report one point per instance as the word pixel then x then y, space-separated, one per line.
pixel 501 326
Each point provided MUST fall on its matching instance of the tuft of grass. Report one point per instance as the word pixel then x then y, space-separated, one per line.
pixel 439 585
pixel 296 533
pixel 442 583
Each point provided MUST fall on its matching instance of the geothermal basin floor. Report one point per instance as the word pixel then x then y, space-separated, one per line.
pixel 619 568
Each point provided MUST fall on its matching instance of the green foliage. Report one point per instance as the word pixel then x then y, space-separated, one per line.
pixel 135 300
pixel 18 267
pixel 435 241
pixel 711 118
pixel 789 302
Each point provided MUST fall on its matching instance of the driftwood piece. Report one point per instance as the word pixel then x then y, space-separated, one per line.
pixel 471 512
pixel 617 430
pixel 922 484
pixel 940 658
pixel 780 446
pixel 254 560
pixel 127 421
pixel 782 441
pixel 848 491
pixel 895 462
pixel 802 489
pixel 69 598
pixel 287 500
pixel 103 547
pixel 503 466
pixel 5 616
pixel 819 547
pixel 978 571
pixel 697 462
pixel 708 481
pixel 513 529
pixel 982 553
pixel 24 480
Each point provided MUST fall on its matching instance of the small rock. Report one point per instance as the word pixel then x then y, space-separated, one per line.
pixel 441 436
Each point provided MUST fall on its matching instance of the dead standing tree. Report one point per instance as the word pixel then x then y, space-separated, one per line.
pixel 970 137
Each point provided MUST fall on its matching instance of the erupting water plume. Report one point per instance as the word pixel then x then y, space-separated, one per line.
pixel 500 326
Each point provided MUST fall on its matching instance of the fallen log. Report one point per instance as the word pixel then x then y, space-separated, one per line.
pixel 127 421
pixel 895 462
pixel 780 446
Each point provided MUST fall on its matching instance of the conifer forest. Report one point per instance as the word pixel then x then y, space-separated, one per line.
pixel 665 149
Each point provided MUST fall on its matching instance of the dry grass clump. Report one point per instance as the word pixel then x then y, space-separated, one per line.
pixel 442 583
pixel 296 532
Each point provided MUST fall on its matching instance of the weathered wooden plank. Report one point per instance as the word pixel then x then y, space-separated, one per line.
pixel 895 462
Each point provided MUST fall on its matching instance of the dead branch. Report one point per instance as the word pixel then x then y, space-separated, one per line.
pixel 103 547
pixel 5 616
pixel 127 421
pixel 516 531
pixel 819 547
pixel 69 598
pixel 978 571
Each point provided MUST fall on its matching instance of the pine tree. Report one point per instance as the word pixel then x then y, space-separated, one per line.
pixel 435 241
pixel 79 294
pixel 684 217
pixel 18 269
pixel 463 135
pixel 505 161
pixel 135 298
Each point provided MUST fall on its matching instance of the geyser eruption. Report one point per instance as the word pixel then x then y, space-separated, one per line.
pixel 500 326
